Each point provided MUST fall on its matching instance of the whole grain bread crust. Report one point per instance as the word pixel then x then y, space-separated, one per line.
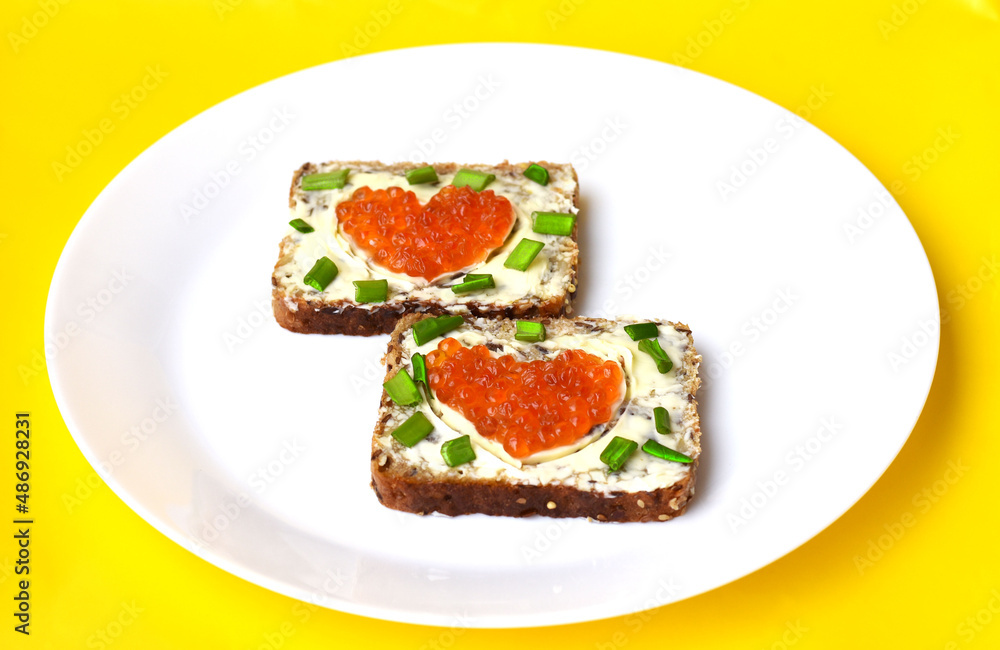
pixel 295 313
pixel 400 486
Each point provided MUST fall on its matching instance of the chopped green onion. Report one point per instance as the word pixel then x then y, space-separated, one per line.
pixel 640 331
pixel 653 349
pixel 537 173
pixel 469 277
pixel 485 281
pixel 476 180
pixel 421 175
pixel 321 274
pixel 401 389
pixel 431 328
pixel 328 181
pixel 419 367
pixel 666 453
pixel 300 225
pixel 553 223
pixel 419 364
pixel 458 451
pixel 415 429
pixel 617 452
pixel 529 331
pixel 662 420
pixel 371 290
pixel 523 254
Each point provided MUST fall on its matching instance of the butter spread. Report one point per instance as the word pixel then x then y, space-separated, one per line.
pixel 579 466
pixel 547 276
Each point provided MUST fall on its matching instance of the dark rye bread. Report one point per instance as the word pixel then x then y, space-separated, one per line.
pixel 300 311
pixel 402 485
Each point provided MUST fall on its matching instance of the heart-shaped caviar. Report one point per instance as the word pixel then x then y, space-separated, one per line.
pixel 456 229
pixel 526 406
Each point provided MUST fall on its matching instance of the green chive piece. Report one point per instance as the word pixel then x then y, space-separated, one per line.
pixel 419 367
pixel 523 254
pixel 537 173
pixel 458 451
pixel 640 331
pixel 666 453
pixel 553 223
pixel 421 175
pixel 485 281
pixel 321 274
pixel 476 180
pixel 653 349
pixel 401 389
pixel 300 225
pixel 662 420
pixel 469 277
pixel 371 290
pixel 529 331
pixel 328 181
pixel 415 429
pixel 617 452
pixel 431 328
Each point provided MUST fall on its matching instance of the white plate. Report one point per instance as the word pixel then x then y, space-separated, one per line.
pixel 249 445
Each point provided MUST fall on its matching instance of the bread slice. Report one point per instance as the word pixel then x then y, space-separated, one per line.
pixel 647 488
pixel 545 289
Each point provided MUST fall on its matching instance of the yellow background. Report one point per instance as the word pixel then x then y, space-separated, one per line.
pixel 899 71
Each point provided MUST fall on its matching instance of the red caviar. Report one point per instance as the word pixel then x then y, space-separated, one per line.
pixel 455 229
pixel 526 406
